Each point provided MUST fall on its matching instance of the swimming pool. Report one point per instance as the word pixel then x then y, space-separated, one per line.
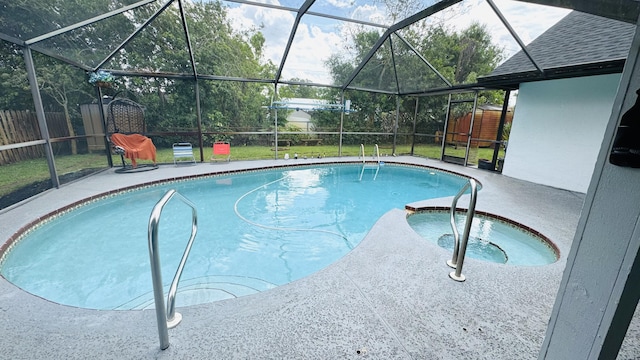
pixel 257 230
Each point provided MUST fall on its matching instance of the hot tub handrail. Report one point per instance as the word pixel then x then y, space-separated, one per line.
pixel 460 245
pixel 167 318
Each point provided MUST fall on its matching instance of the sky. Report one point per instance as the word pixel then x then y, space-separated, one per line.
pixel 318 38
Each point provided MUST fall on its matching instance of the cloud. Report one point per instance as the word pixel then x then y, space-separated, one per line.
pixel 340 4
pixel 532 20
pixel 370 13
pixel 311 48
pixel 274 24
pixel 527 20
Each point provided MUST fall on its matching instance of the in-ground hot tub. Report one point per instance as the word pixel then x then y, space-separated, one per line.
pixel 491 238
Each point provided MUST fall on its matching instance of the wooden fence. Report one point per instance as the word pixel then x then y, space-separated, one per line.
pixel 22 126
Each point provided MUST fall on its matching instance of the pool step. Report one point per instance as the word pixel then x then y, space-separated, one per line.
pixel 204 289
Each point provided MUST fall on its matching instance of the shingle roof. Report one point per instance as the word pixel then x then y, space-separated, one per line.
pixel 578 41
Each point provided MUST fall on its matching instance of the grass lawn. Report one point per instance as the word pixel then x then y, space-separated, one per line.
pixel 15 176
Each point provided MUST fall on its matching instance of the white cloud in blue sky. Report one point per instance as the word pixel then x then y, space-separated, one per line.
pixel 341 3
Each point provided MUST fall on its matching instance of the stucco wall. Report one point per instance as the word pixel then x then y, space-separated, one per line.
pixel 557 130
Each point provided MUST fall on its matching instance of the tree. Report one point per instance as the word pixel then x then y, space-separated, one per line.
pixel 460 57
pixel 14 85
pixel 300 91
pixel 60 82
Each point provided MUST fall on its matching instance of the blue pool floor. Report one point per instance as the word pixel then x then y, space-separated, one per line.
pixel 390 298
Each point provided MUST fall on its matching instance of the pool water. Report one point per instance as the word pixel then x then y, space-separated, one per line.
pixel 490 239
pixel 256 230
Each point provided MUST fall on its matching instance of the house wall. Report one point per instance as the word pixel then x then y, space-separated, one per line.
pixel 557 130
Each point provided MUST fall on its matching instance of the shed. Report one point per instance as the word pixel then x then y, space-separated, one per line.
pixel 485 126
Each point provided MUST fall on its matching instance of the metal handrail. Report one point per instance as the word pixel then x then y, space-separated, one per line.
pixel 460 245
pixel 167 318
pixel 376 154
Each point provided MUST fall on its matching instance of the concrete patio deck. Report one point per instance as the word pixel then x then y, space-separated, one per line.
pixel 390 298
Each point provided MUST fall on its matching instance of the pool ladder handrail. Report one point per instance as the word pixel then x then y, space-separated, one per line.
pixel 460 245
pixel 376 154
pixel 167 319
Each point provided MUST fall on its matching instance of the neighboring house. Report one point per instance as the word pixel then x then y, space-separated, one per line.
pixel 560 115
pixel 301 120
pixel 301 109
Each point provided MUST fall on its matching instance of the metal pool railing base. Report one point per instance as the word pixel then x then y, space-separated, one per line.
pixel 460 245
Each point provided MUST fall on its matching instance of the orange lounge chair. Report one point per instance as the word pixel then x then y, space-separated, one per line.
pixel 221 148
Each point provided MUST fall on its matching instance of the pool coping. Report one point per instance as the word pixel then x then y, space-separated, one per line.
pixel 388 298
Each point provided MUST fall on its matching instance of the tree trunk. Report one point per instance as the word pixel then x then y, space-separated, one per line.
pixel 74 142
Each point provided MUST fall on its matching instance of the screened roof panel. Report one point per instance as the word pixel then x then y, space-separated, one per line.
pixel 295 4
pixel 159 47
pixel 248 40
pixel 378 73
pixel 382 12
pixel 468 39
pixel 91 44
pixel 465 41
pixel 368 11
pixel 413 73
pixel 246 20
pixel 529 27
pixel 28 19
pixel 317 41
